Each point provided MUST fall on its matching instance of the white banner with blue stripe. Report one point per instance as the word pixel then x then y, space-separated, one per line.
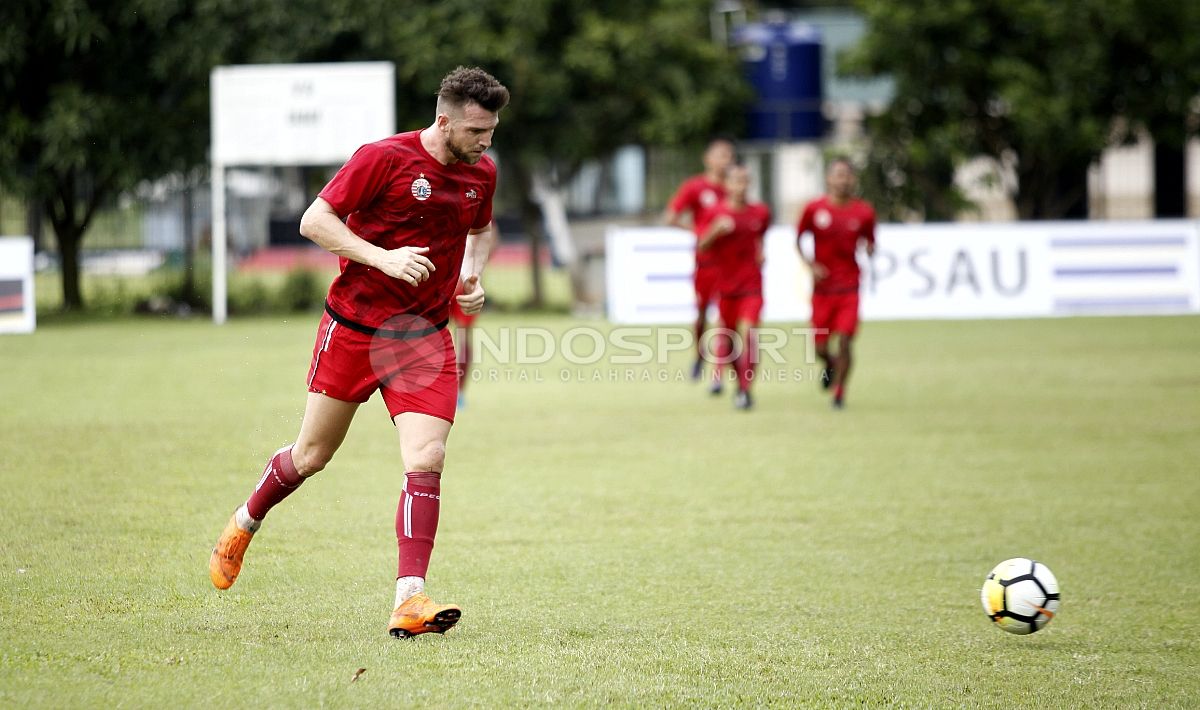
pixel 1009 270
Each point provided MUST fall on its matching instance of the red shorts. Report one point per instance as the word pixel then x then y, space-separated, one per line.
pixel 834 313
pixel 735 309
pixel 415 374
pixel 705 283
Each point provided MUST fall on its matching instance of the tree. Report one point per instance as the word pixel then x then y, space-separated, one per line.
pixel 587 77
pixel 96 97
pixel 1037 84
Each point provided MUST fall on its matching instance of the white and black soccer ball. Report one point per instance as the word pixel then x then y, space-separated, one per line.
pixel 1020 595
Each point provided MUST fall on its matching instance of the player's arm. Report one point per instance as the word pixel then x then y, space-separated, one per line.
pixel 673 218
pixel 868 234
pixel 480 243
pixel 818 270
pixel 325 227
pixel 717 228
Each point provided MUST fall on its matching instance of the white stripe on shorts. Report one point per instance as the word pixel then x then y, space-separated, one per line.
pixel 324 347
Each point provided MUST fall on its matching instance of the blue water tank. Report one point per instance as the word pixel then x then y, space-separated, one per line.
pixel 783 63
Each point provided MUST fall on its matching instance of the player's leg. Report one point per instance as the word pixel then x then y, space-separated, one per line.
pixel 703 299
pixel 845 325
pixel 841 368
pixel 423 450
pixel 462 342
pixel 420 396
pixel 326 421
pixel 748 312
pixel 822 319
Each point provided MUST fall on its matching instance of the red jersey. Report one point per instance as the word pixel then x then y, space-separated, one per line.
pixel 393 193
pixel 737 252
pixel 698 196
pixel 836 230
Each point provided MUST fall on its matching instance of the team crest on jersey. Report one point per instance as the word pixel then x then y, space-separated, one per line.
pixel 421 189
pixel 472 195
pixel 822 219
pixel 708 198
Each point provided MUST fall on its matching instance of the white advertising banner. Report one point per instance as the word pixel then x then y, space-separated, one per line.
pixel 1012 270
pixel 18 312
pixel 300 114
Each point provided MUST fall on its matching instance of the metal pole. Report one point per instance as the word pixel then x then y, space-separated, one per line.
pixel 219 310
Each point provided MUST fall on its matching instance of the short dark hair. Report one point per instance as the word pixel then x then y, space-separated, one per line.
pixel 721 138
pixel 473 85
pixel 843 160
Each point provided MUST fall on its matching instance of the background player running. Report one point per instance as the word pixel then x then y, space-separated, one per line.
pixel 415 206
pixel 838 221
pixel 697 196
pixel 734 240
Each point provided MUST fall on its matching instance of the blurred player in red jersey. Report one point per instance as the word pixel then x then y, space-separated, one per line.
pixel 408 217
pixel 838 221
pixel 698 195
pixel 464 322
pixel 734 240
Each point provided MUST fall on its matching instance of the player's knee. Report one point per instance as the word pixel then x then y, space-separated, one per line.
pixel 311 459
pixel 430 456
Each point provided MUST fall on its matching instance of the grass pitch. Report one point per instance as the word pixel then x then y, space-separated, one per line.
pixel 618 542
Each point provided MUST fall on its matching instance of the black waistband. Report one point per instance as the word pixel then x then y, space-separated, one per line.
pixel 384 332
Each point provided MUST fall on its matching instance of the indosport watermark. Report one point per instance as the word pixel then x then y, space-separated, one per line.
pixel 411 356
pixel 634 354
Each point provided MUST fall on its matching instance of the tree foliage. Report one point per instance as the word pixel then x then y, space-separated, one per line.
pixel 1042 85
pixel 95 97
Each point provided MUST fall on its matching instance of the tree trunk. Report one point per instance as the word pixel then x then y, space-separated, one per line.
pixel 531 220
pixel 189 250
pixel 68 250
pixel 1058 194
pixel 1170 179
pixel 33 224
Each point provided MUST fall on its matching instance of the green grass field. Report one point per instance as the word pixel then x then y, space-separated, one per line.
pixel 628 543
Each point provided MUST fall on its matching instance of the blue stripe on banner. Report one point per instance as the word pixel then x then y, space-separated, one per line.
pixel 1075 304
pixel 668 277
pixel 1072 242
pixel 1116 271
pixel 658 248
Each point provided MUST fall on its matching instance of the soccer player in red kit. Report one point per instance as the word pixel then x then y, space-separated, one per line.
pixel 838 222
pixel 734 240
pixel 698 195
pixel 407 215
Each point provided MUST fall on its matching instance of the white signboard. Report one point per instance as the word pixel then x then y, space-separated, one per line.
pixel 18 313
pixel 1014 270
pixel 300 114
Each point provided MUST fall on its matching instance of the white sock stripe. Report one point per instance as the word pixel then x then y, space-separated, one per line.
pixel 408 501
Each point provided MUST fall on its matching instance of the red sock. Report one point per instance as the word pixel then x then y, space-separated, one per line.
pixel 839 392
pixel 278 481
pixel 417 521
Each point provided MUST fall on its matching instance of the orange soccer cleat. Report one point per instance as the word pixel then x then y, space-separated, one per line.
pixel 226 560
pixel 419 615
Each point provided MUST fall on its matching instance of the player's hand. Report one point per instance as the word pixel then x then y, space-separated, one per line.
pixel 818 271
pixel 723 224
pixel 870 249
pixel 408 264
pixel 471 298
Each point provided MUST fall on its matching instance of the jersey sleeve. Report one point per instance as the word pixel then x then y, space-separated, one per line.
pixel 806 221
pixel 683 200
pixel 363 178
pixel 484 218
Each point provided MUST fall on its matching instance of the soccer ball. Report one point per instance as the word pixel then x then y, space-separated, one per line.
pixel 1020 595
